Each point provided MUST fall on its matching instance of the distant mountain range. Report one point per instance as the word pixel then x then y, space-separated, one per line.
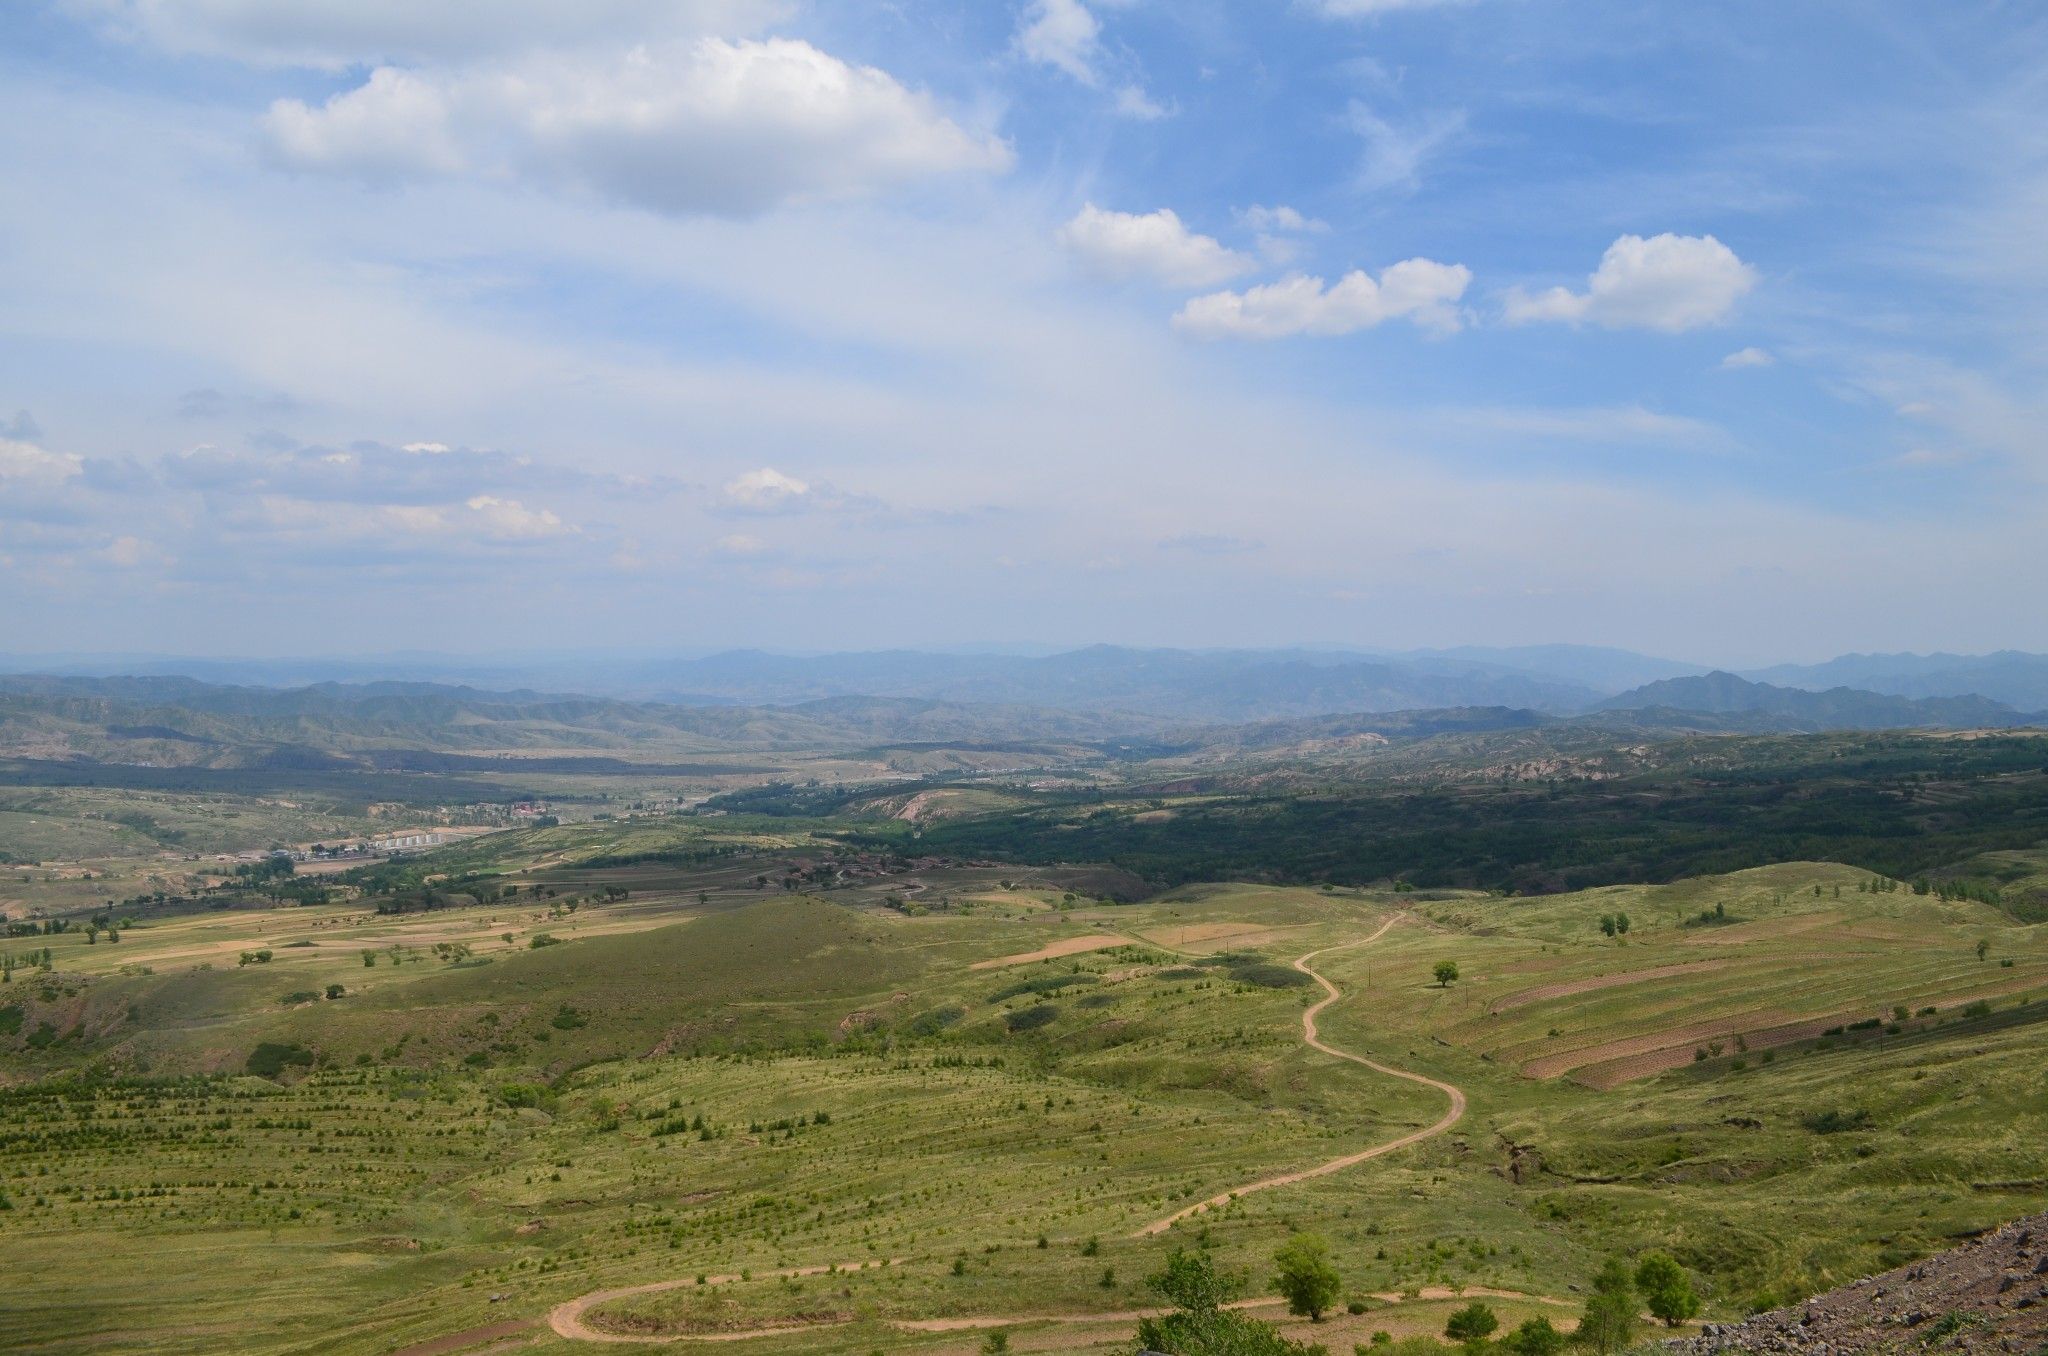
pixel 1762 706
pixel 743 697
pixel 177 722
pixel 2020 680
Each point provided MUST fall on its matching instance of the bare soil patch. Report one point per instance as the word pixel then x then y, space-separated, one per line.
pixel 470 1337
pixel 1612 1073
pixel 1550 1066
pixel 1065 946
pixel 1568 988
pixel 1734 934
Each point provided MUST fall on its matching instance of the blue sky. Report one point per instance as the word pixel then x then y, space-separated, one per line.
pixel 351 325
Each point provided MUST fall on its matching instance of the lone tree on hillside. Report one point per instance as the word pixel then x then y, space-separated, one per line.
pixel 1472 1325
pixel 1446 974
pixel 1610 1318
pixel 1306 1277
pixel 1536 1337
pixel 1667 1290
pixel 1199 1323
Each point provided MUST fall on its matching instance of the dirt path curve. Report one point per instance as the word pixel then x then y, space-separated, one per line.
pixel 567 1318
pixel 1310 1035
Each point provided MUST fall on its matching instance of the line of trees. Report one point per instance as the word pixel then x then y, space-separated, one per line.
pixel 1201 1322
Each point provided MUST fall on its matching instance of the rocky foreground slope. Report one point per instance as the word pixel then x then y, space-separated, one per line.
pixel 1989 1295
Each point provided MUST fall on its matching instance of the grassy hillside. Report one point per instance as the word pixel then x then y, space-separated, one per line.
pixel 921 1074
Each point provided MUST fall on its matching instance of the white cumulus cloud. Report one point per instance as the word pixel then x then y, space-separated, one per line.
pixel 707 126
pixel 1062 34
pixel 766 489
pixel 1279 217
pixel 1156 245
pixel 508 518
pixel 1420 290
pixel 26 462
pixel 1747 357
pixel 1667 282
pixel 1133 102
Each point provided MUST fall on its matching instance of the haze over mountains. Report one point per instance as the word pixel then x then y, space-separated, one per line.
pixel 1102 696
pixel 1178 684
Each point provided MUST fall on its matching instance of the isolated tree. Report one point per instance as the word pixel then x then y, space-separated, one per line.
pixel 1306 1278
pixel 1199 1324
pixel 1536 1337
pixel 1621 922
pixel 1189 1282
pixel 1667 1290
pixel 1983 947
pixel 1610 1318
pixel 1446 973
pixel 1472 1325
pixel 1608 925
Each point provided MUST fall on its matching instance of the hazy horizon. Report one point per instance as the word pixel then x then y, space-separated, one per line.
pixel 24 660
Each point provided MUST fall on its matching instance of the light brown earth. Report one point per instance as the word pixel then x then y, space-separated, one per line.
pixel 1611 1073
pixel 1687 1036
pixel 567 1318
pixel 1737 933
pixel 1201 936
pixel 1065 946
pixel 1566 989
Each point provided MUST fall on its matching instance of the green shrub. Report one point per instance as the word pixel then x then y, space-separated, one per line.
pixel 535 1095
pixel 1267 975
pixel 1042 984
pixel 1030 1019
pixel 270 1058
pixel 1833 1122
pixel 931 1023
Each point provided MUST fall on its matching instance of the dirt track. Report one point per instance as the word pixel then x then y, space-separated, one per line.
pixel 1310 1036
pixel 567 1319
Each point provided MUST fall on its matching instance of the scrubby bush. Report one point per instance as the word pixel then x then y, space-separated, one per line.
pixel 1472 1325
pixel 271 1058
pixel 936 1020
pixel 1030 1019
pixel 1267 975
pixel 1042 984
pixel 1834 1122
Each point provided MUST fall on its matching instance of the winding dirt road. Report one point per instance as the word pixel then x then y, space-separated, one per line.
pixel 1313 1038
pixel 567 1319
